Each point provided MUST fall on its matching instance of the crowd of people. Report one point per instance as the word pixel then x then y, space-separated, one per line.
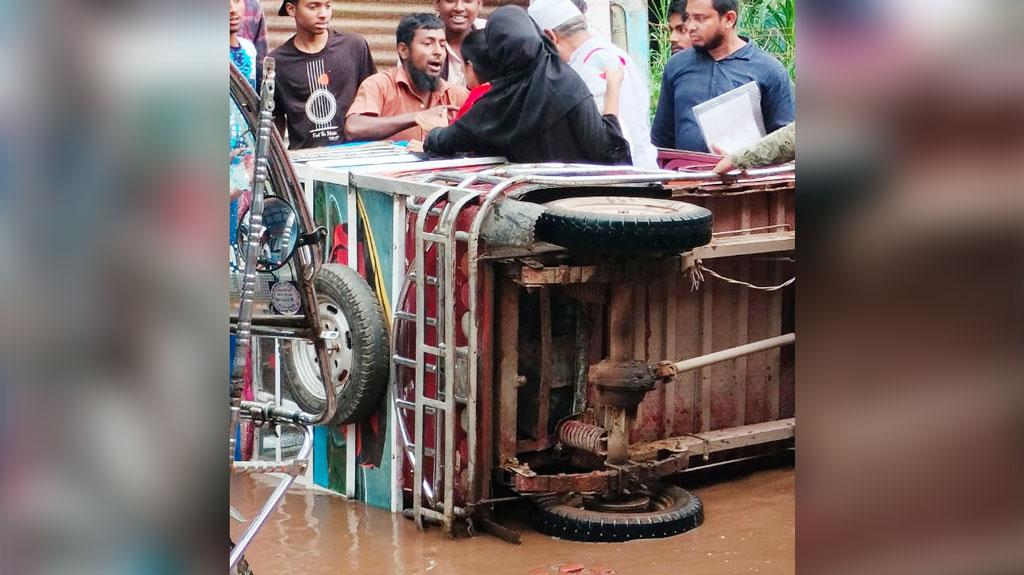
pixel 532 85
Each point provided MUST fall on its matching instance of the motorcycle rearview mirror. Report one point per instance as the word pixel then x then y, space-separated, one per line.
pixel 280 234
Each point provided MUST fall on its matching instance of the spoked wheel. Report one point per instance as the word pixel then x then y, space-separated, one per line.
pixel 662 511
pixel 359 364
pixel 624 224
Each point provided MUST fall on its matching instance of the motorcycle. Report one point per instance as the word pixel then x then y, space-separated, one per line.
pixel 281 288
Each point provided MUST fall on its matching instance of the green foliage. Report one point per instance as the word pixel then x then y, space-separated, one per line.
pixel 661 49
pixel 769 23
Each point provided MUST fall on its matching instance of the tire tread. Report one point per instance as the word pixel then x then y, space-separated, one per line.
pixel 566 522
pixel 680 231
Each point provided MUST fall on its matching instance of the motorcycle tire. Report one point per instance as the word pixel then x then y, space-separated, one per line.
pixel 360 368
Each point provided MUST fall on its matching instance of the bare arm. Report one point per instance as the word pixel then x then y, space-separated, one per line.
pixel 614 76
pixel 362 128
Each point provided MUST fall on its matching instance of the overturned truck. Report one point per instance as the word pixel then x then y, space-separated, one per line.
pixel 575 335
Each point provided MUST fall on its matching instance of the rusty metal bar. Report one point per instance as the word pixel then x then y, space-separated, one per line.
pixel 617 422
pixel 305 334
pixel 295 321
pixel 482 486
pixel 620 349
pixel 546 361
pixel 508 369
pixel 620 345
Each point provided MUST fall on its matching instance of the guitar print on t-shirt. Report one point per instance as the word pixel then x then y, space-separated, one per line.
pixel 321 107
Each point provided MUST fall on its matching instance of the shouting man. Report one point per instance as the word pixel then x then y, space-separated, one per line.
pixel 398 103
pixel 318 73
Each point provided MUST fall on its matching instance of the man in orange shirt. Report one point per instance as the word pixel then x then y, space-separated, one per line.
pixel 400 103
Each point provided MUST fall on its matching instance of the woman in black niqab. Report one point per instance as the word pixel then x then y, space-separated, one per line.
pixel 538 108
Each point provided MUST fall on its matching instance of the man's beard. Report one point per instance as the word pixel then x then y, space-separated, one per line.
pixel 713 43
pixel 422 81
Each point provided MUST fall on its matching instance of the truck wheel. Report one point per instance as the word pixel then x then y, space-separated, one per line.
pixel 663 511
pixel 359 369
pixel 624 224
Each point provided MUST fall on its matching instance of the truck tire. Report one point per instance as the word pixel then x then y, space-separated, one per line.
pixel 624 224
pixel 672 511
pixel 360 368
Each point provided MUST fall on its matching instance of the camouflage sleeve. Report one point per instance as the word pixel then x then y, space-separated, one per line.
pixel 775 148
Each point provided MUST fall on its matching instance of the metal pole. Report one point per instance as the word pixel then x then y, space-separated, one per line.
pixel 251 244
pixel 734 352
pixel 617 424
pixel 277 396
pixel 304 334
pixel 620 342
pixel 238 550
pixel 620 349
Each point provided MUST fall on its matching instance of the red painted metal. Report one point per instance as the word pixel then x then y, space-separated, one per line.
pixel 405 335
pixel 684 160
pixel 670 322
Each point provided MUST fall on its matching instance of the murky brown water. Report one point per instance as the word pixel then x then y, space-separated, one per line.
pixel 749 527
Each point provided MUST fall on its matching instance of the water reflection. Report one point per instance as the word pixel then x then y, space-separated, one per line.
pixel 749 527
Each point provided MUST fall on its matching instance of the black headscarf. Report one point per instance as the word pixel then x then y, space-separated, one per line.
pixel 532 89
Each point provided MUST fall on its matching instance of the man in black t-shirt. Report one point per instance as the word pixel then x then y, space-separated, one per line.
pixel 318 73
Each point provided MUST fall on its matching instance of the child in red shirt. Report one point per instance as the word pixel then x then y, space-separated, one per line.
pixel 478 72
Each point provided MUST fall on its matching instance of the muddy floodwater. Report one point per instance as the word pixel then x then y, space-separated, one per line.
pixel 749 527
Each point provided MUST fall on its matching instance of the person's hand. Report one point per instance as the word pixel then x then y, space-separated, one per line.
pixel 724 165
pixel 436 117
pixel 415 146
pixel 614 74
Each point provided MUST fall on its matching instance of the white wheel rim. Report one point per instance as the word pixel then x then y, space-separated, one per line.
pixel 620 206
pixel 306 365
